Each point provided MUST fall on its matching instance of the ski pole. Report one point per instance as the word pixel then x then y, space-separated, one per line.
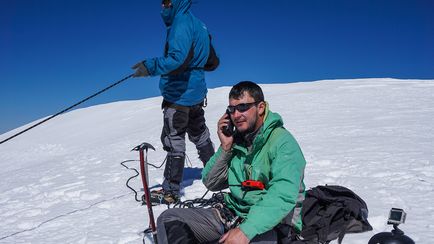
pixel 66 109
pixel 144 173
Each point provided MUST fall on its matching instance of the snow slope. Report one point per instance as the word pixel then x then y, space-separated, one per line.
pixel 62 182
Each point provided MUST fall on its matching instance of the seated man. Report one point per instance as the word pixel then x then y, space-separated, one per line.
pixel 261 150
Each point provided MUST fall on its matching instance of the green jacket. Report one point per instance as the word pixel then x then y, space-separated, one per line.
pixel 276 160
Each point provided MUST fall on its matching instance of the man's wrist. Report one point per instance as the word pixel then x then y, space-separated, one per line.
pixel 248 230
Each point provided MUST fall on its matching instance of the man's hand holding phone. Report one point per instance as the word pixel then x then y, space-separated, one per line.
pixel 225 132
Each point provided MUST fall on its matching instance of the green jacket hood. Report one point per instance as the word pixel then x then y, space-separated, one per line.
pixel 271 121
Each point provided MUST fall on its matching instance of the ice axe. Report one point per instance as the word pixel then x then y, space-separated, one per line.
pixel 145 180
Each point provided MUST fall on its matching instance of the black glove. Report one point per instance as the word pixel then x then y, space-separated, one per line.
pixel 141 70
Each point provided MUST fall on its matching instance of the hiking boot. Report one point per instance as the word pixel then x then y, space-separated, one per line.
pixel 173 173
pixel 205 152
pixel 161 197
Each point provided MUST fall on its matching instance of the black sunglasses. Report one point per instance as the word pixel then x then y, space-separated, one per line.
pixel 242 107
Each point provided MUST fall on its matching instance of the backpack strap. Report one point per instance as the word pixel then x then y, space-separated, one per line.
pixel 211 64
pixel 213 60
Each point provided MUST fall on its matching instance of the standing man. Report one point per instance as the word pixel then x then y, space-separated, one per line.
pixel 261 153
pixel 188 53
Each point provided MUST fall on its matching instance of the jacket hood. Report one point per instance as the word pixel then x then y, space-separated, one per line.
pixel 178 7
pixel 271 121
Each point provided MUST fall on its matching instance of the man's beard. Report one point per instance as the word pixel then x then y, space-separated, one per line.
pixel 250 128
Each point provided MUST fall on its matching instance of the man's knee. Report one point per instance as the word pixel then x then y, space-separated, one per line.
pixel 168 215
pixel 165 217
pixel 174 128
pixel 179 232
pixel 174 228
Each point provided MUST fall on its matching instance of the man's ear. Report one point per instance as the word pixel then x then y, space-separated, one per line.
pixel 261 108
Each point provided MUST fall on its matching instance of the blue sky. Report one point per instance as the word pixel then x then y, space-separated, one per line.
pixel 54 53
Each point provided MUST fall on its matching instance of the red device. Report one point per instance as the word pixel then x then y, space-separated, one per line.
pixel 252 185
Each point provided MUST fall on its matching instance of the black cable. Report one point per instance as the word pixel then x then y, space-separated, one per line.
pixel 66 109
pixel 217 198
pixel 132 177
pixel 157 167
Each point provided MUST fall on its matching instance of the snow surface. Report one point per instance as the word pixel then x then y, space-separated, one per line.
pixel 62 182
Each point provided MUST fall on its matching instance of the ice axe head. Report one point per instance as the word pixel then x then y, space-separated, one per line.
pixel 143 146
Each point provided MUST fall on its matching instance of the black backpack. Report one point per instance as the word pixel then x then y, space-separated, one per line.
pixel 329 212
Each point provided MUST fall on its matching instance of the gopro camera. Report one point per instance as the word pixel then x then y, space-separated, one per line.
pixel 396 216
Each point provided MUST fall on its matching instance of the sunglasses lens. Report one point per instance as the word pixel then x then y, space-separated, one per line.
pixel 243 107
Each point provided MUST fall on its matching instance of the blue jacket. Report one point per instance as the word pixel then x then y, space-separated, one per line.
pixel 186 35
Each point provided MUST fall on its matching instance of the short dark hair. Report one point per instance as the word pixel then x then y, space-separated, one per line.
pixel 250 87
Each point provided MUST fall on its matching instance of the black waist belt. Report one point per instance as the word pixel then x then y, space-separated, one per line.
pixel 166 103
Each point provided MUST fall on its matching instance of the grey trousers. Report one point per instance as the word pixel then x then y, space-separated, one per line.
pixel 178 121
pixel 204 224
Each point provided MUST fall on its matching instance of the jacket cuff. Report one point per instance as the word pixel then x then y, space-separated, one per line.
pixel 225 155
pixel 149 64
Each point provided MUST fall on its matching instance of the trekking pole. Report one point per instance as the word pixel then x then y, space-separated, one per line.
pixel 144 173
pixel 66 109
